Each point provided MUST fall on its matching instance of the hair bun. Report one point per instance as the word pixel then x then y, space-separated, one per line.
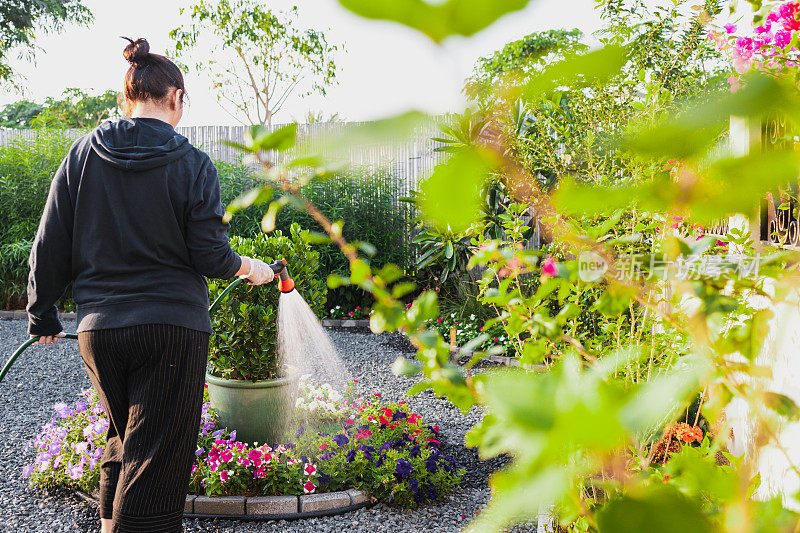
pixel 136 51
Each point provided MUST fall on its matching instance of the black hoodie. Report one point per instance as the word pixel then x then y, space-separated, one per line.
pixel 134 220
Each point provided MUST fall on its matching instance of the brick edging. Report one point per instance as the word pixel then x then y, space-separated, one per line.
pixel 268 507
pixel 337 323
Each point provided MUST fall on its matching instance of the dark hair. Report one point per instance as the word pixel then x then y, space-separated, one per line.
pixel 151 76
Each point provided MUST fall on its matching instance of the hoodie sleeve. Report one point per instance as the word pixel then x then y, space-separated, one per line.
pixel 206 234
pixel 51 257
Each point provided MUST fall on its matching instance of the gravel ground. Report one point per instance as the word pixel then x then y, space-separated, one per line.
pixel 44 376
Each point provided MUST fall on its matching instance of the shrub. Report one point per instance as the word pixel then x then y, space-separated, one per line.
pixel 26 168
pixel 365 199
pixel 243 345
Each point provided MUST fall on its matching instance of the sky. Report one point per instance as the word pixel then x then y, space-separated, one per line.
pixel 384 68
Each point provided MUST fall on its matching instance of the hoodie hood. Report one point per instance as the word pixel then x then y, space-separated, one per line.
pixel 138 144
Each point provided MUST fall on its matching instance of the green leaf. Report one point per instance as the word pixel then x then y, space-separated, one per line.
pixel 256 196
pixel 259 138
pixel 593 67
pixel 404 367
pixel 437 20
pixel 451 197
pixel 782 404
pixel 660 509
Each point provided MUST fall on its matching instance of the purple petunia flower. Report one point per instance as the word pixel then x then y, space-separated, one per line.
pixel 341 440
pixel 199 451
pixel 431 464
pixel 351 455
pixel 233 435
pixel 75 472
pixel 403 468
pixel 62 410
pixel 80 406
pixel 28 470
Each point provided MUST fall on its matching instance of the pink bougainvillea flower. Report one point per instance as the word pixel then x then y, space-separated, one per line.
pixel 310 469
pixel 549 267
pixel 309 487
pixel 730 28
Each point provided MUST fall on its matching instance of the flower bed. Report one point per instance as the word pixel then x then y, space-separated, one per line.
pixel 468 328
pixel 379 447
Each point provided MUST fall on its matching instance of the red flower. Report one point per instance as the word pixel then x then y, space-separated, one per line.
pixel 383 420
pixel 309 487
pixel 349 421
pixel 388 413
pixel 310 469
pixel 413 418
pixel 363 435
pixel 324 446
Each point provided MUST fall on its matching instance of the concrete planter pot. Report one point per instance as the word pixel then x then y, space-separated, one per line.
pixel 259 411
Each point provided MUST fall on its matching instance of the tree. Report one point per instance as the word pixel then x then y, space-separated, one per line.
pixel 20 19
pixel 75 109
pixel 256 58
pixel 19 114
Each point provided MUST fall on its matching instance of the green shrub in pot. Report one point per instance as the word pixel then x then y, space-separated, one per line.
pixel 244 343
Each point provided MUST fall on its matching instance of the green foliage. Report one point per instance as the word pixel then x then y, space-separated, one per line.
pixel 522 58
pixel 582 435
pixel 19 114
pixel 20 21
pixel 27 167
pixel 437 20
pixel 364 199
pixel 255 57
pixel 244 343
pixel 75 109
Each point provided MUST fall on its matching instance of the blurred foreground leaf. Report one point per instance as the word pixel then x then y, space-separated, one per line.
pixel 437 20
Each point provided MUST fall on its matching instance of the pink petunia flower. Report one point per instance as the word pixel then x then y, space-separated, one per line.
pixel 310 469
pixel 309 487
pixel 549 267
pixel 730 28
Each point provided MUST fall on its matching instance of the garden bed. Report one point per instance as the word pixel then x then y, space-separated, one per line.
pixel 44 376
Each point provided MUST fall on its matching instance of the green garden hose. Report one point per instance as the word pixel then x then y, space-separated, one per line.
pixel 74 336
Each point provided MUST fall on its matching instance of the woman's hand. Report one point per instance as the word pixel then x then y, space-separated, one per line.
pixel 49 339
pixel 258 271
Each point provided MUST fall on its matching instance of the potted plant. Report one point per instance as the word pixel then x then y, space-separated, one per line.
pixel 249 387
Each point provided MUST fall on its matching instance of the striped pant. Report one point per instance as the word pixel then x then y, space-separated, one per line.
pixel 150 381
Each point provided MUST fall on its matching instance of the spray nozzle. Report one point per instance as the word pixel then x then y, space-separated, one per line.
pixel 286 284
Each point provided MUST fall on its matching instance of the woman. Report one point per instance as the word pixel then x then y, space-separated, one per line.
pixel 134 220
